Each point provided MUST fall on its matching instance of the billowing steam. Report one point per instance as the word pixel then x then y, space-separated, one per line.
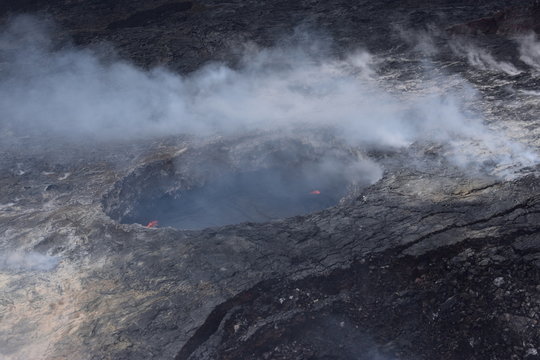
pixel 76 93
pixel 529 51
pixel 482 59
pixel 27 261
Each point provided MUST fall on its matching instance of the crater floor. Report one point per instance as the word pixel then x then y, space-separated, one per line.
pixel 257 196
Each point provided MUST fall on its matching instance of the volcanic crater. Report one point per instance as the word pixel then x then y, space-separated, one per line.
pixel 252 179
pixel 270 244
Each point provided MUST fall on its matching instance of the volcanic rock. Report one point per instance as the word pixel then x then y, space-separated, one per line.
pixel 428 262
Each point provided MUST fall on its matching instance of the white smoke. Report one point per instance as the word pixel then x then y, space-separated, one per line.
pixel 75 93
pixel 482 59
pixel 529 51
pixel 27 261
pixel 422 41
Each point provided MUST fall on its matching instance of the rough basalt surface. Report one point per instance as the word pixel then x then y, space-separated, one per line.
pixel 514 20
pixel 427 263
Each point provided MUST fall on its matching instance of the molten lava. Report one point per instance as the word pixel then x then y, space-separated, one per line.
pixel 152 224
pixel 315 192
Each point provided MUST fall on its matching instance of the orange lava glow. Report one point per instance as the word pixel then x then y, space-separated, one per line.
pixel 315 192
pixel 152 224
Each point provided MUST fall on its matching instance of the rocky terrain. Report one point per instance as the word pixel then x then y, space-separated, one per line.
pixel 428 260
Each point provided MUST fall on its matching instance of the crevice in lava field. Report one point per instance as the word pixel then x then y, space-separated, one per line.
pixel 216 317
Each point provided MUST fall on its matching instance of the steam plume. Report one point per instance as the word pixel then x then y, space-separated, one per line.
pixel 76 93
pixel 29 261
pixel 482 59
pixel 529 50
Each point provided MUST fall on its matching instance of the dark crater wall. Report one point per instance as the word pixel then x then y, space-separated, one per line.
pixel 183 35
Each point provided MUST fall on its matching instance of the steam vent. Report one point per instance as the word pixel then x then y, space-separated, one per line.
pixel 193 180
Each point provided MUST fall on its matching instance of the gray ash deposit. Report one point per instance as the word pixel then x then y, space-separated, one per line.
pixel 332 180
